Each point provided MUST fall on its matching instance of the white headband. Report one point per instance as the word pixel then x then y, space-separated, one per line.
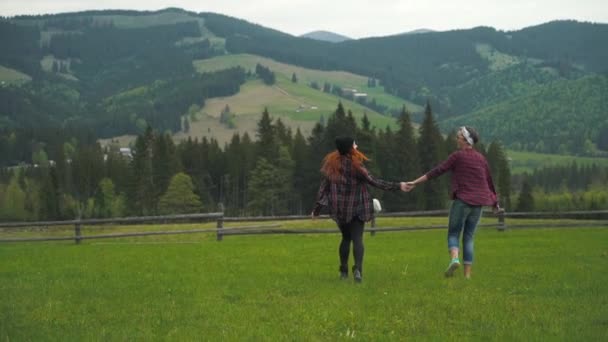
pixel 466 135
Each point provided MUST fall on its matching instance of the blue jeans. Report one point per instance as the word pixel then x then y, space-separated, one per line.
pixel 463 217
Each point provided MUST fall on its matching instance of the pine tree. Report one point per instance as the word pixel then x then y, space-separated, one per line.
pixel 493 157
pixel 247 160
pixel 317 149
pixel 117 168
pixel 602 138
pixel 50 196
pixel 501 173
pixel 294 78
pixel 106 198
pixel 267 142
pixel 283 133
pixel 216 167
pixel 165 163
pixel 263 188
pixel 180 197
pixel 284 183
pixel 365 138
pixel 339 124
pixel 430 152
pixel 406 165
pixel 526 201
pixel 88 170
pixel 450 142
pixel 142 192
pixel 13 203
pixel 301 158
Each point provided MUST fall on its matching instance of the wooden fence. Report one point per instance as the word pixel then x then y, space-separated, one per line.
pixel 597 218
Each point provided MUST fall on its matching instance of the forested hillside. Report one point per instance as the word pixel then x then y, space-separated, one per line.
pixel 565 116
pixel 463 71
pixel 114 72
pixel 68 80
pixel 422 66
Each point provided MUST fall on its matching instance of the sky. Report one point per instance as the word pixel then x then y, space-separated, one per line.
pixel 352 18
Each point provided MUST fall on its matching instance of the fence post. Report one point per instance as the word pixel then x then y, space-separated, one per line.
pixel 501 221
pixel 77 233
pixel 220 223
pixel 373 232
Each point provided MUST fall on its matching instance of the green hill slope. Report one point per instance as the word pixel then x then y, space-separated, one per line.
pixel 296 104
pixel 516 80
pixel 12 76
pixel 565 116
pixel 307 76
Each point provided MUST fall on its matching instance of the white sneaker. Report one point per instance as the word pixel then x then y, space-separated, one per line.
pixel 454 264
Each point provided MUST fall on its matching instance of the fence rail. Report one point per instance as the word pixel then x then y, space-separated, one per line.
pixel 593 218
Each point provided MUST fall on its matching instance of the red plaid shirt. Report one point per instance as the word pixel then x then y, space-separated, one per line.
pixel 349 197
pixel 471 178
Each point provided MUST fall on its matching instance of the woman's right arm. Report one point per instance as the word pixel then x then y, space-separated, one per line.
pixel 379 183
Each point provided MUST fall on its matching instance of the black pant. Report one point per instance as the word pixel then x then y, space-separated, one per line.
pixel 351 231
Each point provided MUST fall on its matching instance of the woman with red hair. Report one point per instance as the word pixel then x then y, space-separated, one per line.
pixel 344 191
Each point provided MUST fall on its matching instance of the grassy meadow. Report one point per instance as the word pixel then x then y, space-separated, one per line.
pixel 528 161
pixel 298 106
pixel 534 284
pixel 12 76
pixel 305 76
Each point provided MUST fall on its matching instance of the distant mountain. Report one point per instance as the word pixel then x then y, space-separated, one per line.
pixel 418 31
pixel 326 36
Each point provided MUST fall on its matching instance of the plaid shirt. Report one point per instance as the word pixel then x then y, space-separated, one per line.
pixel 471 178
pixel 349 197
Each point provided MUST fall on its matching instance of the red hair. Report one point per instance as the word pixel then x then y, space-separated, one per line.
pixel 332 164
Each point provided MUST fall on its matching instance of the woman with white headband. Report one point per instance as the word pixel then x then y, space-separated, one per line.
pixel 472 187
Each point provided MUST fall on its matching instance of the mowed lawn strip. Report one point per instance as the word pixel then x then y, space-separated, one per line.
pixel 527 284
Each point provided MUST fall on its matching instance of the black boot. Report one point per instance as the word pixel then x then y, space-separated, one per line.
pixel 357 275
pixel 343 272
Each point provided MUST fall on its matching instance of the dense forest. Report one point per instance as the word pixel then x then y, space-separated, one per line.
pixel 537 121
pixel 102 74
pixel 275 174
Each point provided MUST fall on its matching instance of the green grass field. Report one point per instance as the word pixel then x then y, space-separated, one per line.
pixel 537 284
pixel 528 161
pixel 306 76
pixel 298 106
pixel 12 76
pixel 497 59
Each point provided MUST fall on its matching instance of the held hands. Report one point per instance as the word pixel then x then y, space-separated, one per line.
pixel 407 186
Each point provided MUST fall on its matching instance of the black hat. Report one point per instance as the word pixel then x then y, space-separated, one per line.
pixel 344 144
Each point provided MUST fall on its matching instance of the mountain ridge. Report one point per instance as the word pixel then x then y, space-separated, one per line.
pixel 326 36
pixel 91 56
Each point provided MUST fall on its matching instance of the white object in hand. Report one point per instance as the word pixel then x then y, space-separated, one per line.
pixel 377 206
